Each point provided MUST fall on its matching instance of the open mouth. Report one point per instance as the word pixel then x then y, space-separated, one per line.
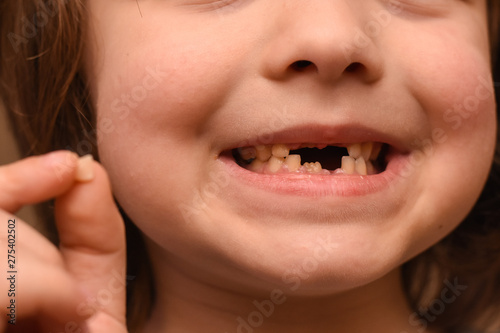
pixel 367 158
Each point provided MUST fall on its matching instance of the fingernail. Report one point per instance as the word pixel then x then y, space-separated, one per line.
pixel 85 171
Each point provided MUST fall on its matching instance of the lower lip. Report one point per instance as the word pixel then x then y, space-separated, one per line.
pixel 312 185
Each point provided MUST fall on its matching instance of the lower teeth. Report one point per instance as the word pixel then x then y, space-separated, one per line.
pixel 292 163
pixel 276 159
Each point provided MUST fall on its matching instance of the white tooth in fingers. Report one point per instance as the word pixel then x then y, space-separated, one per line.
pixel 274 164
pixel 370 169
pixel 348 164
pixel 257 166
pixel 354 150
pixel 247 153
pixel 366 150
pixel 263 152
pixel 361 166
pixel 293 162
pixel 85 170
pixel 377 147
pixel 280 150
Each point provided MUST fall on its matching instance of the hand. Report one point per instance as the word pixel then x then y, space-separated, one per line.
pixel 80 286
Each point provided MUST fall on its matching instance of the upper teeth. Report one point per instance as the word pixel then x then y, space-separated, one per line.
pixel 274 158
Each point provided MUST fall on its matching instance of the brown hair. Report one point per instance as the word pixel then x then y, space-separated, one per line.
pixel 45 94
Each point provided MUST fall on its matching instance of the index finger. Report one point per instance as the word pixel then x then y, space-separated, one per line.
pixel 36 179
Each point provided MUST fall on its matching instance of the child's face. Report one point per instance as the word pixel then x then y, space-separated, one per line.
pixel 179 88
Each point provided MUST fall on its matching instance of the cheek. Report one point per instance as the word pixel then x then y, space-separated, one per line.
pixel 454 159
pixel 169 73
pixel 450 79
pixel 148 98
pixel 153 108
pixel 460 106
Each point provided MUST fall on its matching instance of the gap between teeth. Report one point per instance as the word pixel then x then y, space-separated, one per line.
pixel 276 158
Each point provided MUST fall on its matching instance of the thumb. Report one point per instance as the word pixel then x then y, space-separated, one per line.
pixel 92 242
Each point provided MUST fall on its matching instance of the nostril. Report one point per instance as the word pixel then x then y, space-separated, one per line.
pixel 355 66
pixel 301 65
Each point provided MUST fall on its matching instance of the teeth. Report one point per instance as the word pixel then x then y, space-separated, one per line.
pixel 361 166
pixel 377 147
pixel 274 158
pixel 263 153
pixel 313 167
pixel 257 166
pixel 293 162
pixel 348 164
pixel 370 169
pixel 366 150
pixel 280 151
pixel 274 164
pixel 354 150
pixel 247 153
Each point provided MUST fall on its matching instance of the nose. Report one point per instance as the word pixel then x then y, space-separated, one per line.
pixel 324 39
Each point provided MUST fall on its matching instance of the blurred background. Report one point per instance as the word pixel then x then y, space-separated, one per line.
pixel 8 151
pixel 8 154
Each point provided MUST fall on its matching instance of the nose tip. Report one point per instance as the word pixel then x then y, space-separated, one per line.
pixel 324 44
pixel 354 68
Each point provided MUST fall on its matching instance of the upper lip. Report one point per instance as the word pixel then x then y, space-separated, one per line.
pixel 339 134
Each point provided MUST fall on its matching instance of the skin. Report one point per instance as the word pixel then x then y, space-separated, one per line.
pixel 189 79
pixel 56 288
pixel 227 74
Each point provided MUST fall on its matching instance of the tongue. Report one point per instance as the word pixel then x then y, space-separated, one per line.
pixel 329 157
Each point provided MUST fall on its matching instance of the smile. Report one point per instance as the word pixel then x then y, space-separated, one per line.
pixel 363 159
pixel 300 161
